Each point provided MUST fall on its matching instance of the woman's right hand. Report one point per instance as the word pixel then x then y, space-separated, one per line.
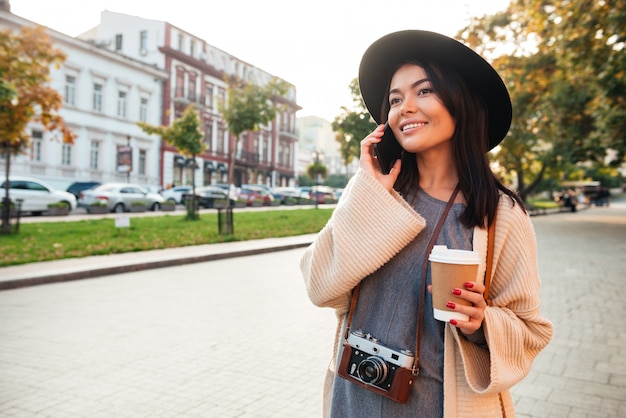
pixel 369 163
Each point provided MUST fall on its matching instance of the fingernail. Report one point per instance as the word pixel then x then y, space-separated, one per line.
pixel 453 322
pixel 451 305
pixel 469 285
pixel 456 292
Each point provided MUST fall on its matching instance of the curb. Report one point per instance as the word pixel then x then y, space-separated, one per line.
pixel 128 268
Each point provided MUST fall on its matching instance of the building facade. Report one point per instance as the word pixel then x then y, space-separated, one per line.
pixel 316 135
pixel 196 72
pixel 104 95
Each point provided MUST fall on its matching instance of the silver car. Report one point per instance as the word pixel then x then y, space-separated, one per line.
pixel 119 197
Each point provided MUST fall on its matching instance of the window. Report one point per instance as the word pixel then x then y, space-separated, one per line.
pixel 121 104
pixel 180 42
pixel 35 145
pixel 143 41
pixel 208 134
pixel 94 155
pixel 180 83
pixel 66 155
pixel 265 151
pixel 118 42
pixel 143 109
pixel 191 92
pixel 70 90
pixel 220 138
pixel 142 161
pixel 192 47
pixel 208 97
pixel 97 97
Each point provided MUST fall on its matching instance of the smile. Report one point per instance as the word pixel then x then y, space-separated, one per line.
pixel 413 125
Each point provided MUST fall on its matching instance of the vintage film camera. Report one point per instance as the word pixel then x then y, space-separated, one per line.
pixel 375 367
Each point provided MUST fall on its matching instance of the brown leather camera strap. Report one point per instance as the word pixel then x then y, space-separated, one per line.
pixel 420 313
pixel 491 238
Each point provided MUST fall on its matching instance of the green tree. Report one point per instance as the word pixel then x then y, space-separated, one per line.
pixel 352 125
pixel 564 66
pixel 186 135
pixel 246 108
pixel 25 96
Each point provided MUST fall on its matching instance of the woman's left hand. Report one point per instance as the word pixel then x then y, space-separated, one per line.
pixel 473 293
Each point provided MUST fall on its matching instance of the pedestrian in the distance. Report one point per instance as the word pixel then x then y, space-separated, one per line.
pixel 447 107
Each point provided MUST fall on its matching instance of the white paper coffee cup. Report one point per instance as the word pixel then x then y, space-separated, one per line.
pixel 451 269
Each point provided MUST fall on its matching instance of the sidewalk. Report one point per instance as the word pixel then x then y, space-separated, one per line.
pixel 95 266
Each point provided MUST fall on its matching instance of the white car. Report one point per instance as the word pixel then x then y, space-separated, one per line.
pixel 175 194
pixel 36 195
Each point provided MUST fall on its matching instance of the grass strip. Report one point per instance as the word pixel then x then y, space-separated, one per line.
pixel 47 241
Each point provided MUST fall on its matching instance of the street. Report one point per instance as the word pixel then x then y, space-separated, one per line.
pixel 239 337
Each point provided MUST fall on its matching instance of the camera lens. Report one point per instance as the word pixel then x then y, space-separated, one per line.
pixel 372 370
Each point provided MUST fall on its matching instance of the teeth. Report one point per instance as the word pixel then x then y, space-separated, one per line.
pixel 412 125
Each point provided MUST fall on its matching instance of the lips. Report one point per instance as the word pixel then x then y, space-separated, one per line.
pixel 412 126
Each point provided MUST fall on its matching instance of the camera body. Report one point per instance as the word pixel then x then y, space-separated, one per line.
pixel 373 366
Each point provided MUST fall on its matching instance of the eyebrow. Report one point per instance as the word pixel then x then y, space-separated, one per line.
pixel 415 84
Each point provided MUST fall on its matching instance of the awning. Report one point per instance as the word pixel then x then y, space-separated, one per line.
pixel 179 160
pixel 221 168
pixel 209 166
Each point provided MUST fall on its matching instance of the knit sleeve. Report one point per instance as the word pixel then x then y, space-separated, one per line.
pixel 368 227
pixel 514 328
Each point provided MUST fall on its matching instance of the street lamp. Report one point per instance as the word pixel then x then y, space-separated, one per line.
pixel 317 157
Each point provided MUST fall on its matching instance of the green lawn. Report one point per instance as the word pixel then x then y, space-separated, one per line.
pixel 57 240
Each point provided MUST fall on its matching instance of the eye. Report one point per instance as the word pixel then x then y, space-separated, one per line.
pixel 394 100
pixel 425 90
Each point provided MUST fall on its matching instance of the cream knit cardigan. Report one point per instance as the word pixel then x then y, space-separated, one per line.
pixel 371 225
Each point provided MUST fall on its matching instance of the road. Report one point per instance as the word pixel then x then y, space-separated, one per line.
pixel 239 338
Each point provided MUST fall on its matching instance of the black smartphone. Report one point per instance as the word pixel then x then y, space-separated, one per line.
pixel 388 150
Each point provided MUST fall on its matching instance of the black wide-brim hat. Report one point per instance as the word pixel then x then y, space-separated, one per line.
pixel 386 54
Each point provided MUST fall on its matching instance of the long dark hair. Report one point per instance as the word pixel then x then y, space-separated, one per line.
pixel 478 183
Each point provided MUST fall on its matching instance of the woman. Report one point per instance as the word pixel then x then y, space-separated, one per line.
pixel 447 107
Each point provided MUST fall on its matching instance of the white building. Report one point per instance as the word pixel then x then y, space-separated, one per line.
pixel 196 75
pixel 316 134
pixel 104 95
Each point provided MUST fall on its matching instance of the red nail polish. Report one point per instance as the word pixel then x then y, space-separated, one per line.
pixel 469 285
pixel 453 322
pixel 451 305
pixel 456 292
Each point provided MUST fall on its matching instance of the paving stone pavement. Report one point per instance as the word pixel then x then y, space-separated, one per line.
pixel 239 338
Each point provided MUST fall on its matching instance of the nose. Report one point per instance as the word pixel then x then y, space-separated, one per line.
pixel 409 105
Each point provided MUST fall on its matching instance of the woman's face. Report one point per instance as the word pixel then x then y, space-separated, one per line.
pixel 417 117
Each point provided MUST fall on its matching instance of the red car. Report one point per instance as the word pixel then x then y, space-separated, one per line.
pixel 256 195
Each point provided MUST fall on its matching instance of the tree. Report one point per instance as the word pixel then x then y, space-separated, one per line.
pixel 25 96
pixel 246 108
pixel 564 67
pixel 352 125
pixel 184 134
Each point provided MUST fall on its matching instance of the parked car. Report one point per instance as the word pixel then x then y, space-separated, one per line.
pixel 208 195
pixel 36 194
pixel 287 195
pixel 323 194
pixel 77 187
pixel 120 196
pixel 256 195
pixel 175 194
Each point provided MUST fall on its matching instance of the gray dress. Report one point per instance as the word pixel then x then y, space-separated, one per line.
pixel 387 309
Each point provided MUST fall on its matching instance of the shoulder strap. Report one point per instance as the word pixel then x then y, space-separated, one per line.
pixel 491 237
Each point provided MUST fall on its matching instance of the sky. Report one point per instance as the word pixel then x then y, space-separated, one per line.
pixel 316 46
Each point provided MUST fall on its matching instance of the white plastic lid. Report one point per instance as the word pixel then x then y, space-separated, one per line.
pixel 441 254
